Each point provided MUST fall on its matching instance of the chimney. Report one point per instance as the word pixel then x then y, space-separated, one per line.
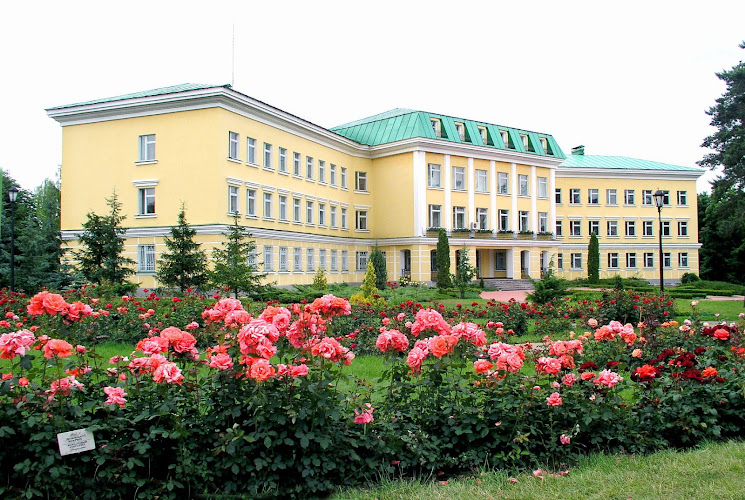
pixel 578 150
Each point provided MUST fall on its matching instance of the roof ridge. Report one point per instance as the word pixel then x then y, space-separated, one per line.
pixel 170 89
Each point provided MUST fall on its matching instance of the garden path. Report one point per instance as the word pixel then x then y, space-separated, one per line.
pixel 506 295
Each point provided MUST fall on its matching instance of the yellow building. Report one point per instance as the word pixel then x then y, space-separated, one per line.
pixel 314 197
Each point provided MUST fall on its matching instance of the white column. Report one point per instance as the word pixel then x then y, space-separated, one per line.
pixel 471 196
pixel 492 196
pixel 552 198
pixel 420 193
pixel 513 197
pixel 447 210
pixel 533 200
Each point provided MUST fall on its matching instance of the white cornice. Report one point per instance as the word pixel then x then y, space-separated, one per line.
pixel 604 173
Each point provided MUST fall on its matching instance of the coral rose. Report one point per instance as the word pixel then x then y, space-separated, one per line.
pixel 261 370
pixel 482 365
pixel 554 399
pixel 57 347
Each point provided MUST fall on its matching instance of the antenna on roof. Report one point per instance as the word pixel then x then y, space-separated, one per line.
pixel 232 63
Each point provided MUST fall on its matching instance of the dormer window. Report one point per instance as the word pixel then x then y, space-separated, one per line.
pixel 506 139
pixel 436 126
pixel 526 142
pixel 461 130
pixel 544 145
pixel 484 133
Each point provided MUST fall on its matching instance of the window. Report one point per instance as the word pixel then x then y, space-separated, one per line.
pixel 232 199
pixel 648 228
pixel 506 139
pixel 682 228
pixel 459 217
pixel 296 164
pixel 544 145
pixel 343 218
pixel 504 220
pixel 282 207
pixel 560 261
pixel 558 196
pixel 309 212
pixel 667 260
pixel 360 181
pixel 630 228
pixel 574 196
pixel 666 198
pixel 593 226
pixel 593 197
pixel 282 160
pixel 542 187
pixel 503 186
pixel 435 216
pixel 482 218
pixel 648 259
pixel 683 259
pixel 481 181
pixel 297 259
pixel 436 127
pixel 459 178
pixel 321 171
pixel 344 177
pixel 559 228
pixel 283 259
pixel 334 260
pixel 524 224
pixel 321 214
pixel 251 260
pixel 484 136
pixel 612 227
pixel 147 148
pixel 461 131
pixel 611 198
pixel 251 202
pixel 628 197
pixel 575 228
pixel 322 259
pixel 361 218
pixel 631 260
pixel 542 222
pixel 665 228
pixel 146 263
pixel 268 156
pixel 233 145
pixel 268 258
pixel 296 217
pixel 613 261
pixel 647 197
pixel 682 195
pixel 344 260
pixel 146 203
pixel 251 151
pixel 332 174
pixel 268 214
pixel 526 142
pixel 332 216
pixel 310 263
pixel 576 260
pixel 308 167
pixel 522 181
pixel 361 261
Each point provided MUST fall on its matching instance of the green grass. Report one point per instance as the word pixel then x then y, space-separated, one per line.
pixel 728 310
pixel 715 471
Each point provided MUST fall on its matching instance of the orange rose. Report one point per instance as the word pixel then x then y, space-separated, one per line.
pixel 54 304
pixel 482 366
pixel 442 344
pixel 709 372
pixel 57 347
pixel 262 370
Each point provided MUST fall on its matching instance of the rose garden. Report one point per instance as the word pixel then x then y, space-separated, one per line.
pixel 214 396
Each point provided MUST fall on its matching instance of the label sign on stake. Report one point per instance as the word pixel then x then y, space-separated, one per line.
pixel 75 441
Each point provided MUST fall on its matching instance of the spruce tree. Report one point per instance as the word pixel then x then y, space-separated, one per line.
pixel 381 273
pixel 465 272
pixel 593 259
pixel 233 266
pixel 443 260
pixel 100 260
pixel 183 264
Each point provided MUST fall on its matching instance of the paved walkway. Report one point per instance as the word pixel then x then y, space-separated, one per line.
pixel 506 295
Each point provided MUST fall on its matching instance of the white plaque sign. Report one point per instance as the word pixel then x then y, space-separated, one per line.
pixel 75 442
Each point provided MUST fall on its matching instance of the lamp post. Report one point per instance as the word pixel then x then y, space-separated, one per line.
pixel 12 196
pixel 659 198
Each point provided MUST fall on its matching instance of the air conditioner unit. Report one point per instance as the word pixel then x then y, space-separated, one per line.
pixel 474 225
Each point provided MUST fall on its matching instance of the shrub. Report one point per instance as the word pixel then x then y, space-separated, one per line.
pixel 689 278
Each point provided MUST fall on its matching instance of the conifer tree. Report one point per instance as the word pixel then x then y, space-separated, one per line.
pixel 593 259
pixel 183 264
pixel 234 265
pixel 443 260
pixel 368 287
pixel 464 272
pixel 100 260
pixel 381 273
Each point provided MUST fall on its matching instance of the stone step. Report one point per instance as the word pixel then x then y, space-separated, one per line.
pixel 508 284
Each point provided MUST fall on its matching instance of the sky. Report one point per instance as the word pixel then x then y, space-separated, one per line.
pixel 625 78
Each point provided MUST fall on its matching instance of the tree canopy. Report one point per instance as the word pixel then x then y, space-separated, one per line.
pixel 183 264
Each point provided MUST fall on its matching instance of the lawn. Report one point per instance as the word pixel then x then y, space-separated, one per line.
pixel 712 471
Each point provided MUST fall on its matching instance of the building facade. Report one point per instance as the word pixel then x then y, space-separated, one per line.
pixel 315 197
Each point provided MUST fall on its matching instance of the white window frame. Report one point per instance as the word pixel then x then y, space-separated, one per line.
pixel 459 178
pixel 557 196
pixel 268 156
pixel 523 220
pixel 648 260
pixel 361 220
pixel 629 197
pixel 310 260
pixel 503 183
pixel 297 259
pixel 523 185
pixel 296 160
pixel 283 264
pixel 593 226
pixel 575 196
pixel 683 228
pixel 334 265
pixel 146 148
pixel 434 175
pixel 542 222
pixel 282 160
pixel 282 203
pixel 321 214
pixel 575 228
pixel 332 174
pixel 344 218
pixel 631 260
pixel 459 217
pixel 504 219
pixel 146 258
pixel 360 181
pixel 297 211
pixel 361 261
pixel 481 181
pixel 559 230
pixel 683 259
pixel 345 261
pixel 630 229
pixel 251 150
pixel 343 177
pixel 593 197
pixel 576 260
pixel 611 197
pixel 251 202
pixel 542 187
pixel 648 228
pixel 647 197
pixel 322 171
pixel 267 206
pixel 612 260
pixel 309 212
pixel 268 259
pixel 233 199
pixel 309 167
pixel 435 216
pixel 612 228
pixel 146 201
pixel 234 145
pixel 332 216
pixel 682 198
pixel 322 259
pixel 482 218
pixel 666 229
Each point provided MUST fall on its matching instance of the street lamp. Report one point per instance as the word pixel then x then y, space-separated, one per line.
pixel 659 198
pixel 12 196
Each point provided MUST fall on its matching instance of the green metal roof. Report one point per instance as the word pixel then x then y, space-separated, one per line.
pixel 184 87
pixel 620 163
pixel 400 124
